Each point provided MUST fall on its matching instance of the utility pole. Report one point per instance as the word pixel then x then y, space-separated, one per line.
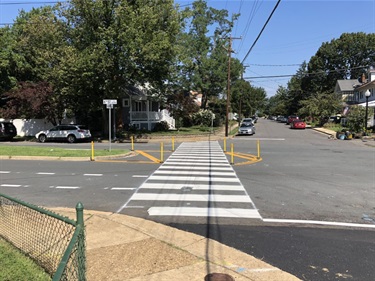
pixel 228 84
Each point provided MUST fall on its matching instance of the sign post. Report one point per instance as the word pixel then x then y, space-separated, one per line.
pixel 109 104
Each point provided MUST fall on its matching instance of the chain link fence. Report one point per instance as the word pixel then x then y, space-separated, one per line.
pixel 54 242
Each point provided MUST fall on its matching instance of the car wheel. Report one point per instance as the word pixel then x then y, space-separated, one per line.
pixel 42 138
pixel 71 138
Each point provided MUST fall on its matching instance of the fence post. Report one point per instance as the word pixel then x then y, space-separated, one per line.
pixel 81 247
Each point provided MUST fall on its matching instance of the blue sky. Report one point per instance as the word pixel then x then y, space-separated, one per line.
pixel 295 32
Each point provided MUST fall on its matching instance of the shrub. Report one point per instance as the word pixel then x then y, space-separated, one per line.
pixel 161 126
pixel 203 117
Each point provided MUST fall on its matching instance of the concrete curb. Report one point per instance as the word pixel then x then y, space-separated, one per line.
pixel 121 247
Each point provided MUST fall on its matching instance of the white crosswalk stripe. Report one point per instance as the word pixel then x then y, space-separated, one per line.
pixel 196 180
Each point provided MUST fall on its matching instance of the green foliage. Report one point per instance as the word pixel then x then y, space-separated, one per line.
pixel 320 107
pixel 344 58
pixel 90 50
pixel 161 127
pixel 203 117
pixel 333 126
pixel 203 58
pixel 56 151
pixel 182 106
pixel 277 104
pixel 16 266
pixel 246 100
pixel 356 119
pixel 310 90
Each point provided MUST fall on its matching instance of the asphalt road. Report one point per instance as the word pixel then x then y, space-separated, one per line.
pixel 303 177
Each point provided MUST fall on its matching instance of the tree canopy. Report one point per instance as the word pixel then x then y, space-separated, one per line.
pixel 310 91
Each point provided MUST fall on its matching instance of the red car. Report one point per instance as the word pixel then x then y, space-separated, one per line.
pixel 298 124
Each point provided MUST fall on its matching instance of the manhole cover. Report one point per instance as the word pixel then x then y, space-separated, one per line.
pixel 186 189
pixel 218 277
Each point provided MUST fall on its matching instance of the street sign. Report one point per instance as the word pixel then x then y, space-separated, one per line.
pixel 109 102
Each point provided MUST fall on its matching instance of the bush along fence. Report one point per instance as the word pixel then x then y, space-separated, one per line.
pixel 54 242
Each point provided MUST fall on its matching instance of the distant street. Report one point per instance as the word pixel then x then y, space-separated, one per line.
pixel 308 207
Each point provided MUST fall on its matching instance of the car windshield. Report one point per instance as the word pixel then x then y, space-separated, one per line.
pixel 246 125
pixel 247 120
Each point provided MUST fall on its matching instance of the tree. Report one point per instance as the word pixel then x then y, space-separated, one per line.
pixel 7 65
pixel 247 100
pixel 37 48
pixel 182 106
pixel 33 100
pixel 344 58
pixel 203 51
pixel 118 43
pixel 356 119
pixel 321 107
pixel 277 104
pixel 91 50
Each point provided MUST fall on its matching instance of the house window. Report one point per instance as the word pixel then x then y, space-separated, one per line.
pixel 125 103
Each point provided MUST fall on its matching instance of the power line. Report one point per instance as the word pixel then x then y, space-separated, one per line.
pixel 30 3
pixel 296 64
pixel 260 33
pixel 305 74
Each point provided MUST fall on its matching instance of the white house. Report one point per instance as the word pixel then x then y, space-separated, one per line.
pixel 353 92
pixel 142 110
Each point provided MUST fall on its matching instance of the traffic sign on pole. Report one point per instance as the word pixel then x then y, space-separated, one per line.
pixel 109 103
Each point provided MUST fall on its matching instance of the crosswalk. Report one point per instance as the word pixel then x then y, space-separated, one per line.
pixel 196 180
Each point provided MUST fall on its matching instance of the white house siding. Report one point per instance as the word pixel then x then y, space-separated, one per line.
pixel 28 128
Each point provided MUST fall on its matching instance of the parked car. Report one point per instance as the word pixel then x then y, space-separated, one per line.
pixel 297 124
pixel 247 121
pixel 70 133
pixel 246 129
pixel 291 118
pixel 7 130
pixel 282 119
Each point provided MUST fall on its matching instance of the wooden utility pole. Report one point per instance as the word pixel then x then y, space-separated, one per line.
pixel 228 85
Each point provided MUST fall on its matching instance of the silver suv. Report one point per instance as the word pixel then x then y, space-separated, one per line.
pixel 70 133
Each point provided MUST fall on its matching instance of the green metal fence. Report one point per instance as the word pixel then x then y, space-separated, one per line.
pixel 54 242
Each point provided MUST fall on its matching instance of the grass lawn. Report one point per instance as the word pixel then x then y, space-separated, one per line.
pixel 16 266
pixel 56 152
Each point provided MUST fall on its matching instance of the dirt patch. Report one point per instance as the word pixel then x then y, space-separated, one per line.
pixel 142 258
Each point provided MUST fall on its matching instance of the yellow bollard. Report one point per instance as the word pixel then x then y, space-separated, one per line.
pixel 161 152
pixel 231 154
pixel 132 140
pixel 258 148
pixel 173 143
pixel 225 144
pixel 92 151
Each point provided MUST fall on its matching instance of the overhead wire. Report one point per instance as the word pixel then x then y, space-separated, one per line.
pixel 254 9
pixel 305 74
pixel 260 33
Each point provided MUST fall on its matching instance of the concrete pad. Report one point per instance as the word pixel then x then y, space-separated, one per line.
pixel 121 247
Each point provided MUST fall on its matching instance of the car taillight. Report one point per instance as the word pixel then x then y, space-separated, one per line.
pixel 81 131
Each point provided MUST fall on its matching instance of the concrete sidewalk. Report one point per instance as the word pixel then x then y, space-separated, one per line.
pixel 121 247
